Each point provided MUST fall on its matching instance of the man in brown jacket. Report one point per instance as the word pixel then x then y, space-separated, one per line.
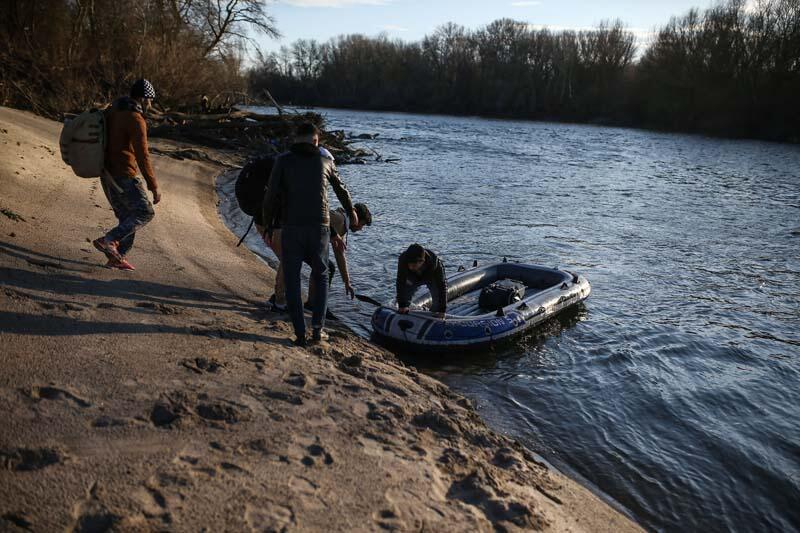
pixel 126 155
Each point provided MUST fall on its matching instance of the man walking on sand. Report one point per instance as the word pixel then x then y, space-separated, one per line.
pixel 298 190
pixel 126 155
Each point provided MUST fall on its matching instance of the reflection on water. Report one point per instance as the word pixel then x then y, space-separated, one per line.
pixel 675 388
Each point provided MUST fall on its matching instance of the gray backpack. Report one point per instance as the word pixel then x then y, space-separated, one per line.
pixel 83 143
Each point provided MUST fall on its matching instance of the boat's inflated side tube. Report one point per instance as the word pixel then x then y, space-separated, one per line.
pixel 548 291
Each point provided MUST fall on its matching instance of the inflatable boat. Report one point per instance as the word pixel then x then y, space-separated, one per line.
pixel 484 305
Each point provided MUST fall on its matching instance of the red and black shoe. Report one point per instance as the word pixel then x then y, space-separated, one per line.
pixel 109 248
pixel 120 265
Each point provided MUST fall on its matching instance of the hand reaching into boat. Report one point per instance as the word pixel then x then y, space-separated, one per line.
pixel 403 310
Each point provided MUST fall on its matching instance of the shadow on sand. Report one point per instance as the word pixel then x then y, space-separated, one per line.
pixel 59 284
pixel 54 326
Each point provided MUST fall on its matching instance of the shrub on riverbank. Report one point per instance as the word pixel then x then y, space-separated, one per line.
pixel 65 55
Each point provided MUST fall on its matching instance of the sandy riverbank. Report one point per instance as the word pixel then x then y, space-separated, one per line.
pixel 163 399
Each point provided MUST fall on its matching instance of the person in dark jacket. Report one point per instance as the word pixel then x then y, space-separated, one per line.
pixel 272 237
pixel 298 190
pixel 419 266
pixel 126 155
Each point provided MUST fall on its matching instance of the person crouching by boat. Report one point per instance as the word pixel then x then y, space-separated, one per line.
pixel 340 227
pixel 419 266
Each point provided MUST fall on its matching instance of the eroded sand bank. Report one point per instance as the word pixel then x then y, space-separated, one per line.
pixel 163 399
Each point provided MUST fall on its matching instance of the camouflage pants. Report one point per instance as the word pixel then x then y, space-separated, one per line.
pixel 132 208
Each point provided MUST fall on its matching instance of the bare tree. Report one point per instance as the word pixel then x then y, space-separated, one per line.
pixel 224 21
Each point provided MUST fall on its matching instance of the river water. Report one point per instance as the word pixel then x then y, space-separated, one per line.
pixel 675 389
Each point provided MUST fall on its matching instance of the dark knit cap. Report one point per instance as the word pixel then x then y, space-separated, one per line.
pixel 143 89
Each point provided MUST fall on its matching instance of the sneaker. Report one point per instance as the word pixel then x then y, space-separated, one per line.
pixel 273 306
pixel 319 335
pixel 300 342
pixel 120 265
pixel 108 247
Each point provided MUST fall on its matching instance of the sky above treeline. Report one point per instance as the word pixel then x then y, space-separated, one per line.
pixel 410 20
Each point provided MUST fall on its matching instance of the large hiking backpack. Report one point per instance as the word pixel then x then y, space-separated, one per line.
pixel 83 143
pixel 500 294
pixel 252 183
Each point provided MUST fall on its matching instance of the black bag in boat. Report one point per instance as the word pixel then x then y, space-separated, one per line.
pixel 500 294
pixel 252 183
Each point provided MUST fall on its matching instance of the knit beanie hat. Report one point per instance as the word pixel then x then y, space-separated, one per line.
pixel 143 89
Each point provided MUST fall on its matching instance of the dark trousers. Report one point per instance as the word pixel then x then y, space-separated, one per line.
pixel 306 244
pixel 132 208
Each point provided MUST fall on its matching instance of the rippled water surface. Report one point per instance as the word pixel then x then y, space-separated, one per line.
pixel 675 389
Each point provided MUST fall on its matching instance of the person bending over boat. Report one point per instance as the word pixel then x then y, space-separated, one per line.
pixel 340 227
pixel 419 266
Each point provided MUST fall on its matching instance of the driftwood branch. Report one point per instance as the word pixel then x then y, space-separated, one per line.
pixel 271 99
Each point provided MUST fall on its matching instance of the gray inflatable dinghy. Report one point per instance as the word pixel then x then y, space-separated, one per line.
pixel 484 305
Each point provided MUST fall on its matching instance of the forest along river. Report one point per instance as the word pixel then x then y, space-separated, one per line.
pixel 675 388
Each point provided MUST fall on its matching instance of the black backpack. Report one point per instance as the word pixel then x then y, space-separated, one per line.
pixel 252 183
pixel 500 294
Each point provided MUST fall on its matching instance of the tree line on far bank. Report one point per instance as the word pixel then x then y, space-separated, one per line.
pixel 731 70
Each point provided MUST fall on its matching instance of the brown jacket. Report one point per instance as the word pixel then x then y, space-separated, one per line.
pixel 127 142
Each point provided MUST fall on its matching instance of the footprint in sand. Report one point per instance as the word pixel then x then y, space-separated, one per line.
pixel 389 520
pixel 306 492
pixel 379 413
pixel 196 469
pixel 265 395
pixel 26 459
pixel 153 504
pixel 56 393
pixel 203 365
pixel 406 510
pixel 91 516
pixel 317 454
pixel 110 422
pixel 269 517
pixel 95 520
pixel 297 379
pixel 18 519
pixel 221 411
pixel 173 409
pixel 199 467
pixel 259 362
pixel 477 490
